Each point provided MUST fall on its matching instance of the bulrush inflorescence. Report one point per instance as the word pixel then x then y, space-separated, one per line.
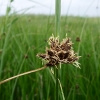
pixel 59 52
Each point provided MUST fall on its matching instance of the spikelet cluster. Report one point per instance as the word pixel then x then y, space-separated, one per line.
pixel 59 52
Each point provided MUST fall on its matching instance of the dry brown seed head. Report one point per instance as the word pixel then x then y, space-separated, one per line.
pixel 59 52
pixel 26 56
pixel 78 39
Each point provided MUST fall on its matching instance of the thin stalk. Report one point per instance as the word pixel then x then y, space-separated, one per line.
pixel 57 87
pixel 32 71
pixel 57 16
pixel 5 41
pixel 57 23
pixel 63 98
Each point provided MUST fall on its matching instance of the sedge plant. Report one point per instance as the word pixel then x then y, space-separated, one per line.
pixel 57 53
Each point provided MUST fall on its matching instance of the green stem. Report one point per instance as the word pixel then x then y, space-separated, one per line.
pixel 57 16
pixel 57 23
pixel 57 87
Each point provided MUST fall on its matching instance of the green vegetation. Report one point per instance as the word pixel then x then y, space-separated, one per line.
pixel 23 36
pixel 57 33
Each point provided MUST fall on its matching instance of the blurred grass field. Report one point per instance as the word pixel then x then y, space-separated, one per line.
pixel 23 36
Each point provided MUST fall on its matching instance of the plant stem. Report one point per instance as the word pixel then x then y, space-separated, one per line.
pixel 57 87
pixel 57 16
pixel 6 80
pixel 57 23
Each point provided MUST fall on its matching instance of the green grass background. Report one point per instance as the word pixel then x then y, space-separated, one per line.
pixel 23 36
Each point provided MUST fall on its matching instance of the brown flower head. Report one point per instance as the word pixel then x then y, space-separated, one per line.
pixel 59 52
pixel 78 39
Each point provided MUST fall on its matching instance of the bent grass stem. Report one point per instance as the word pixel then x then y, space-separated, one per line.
pixel 22 74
